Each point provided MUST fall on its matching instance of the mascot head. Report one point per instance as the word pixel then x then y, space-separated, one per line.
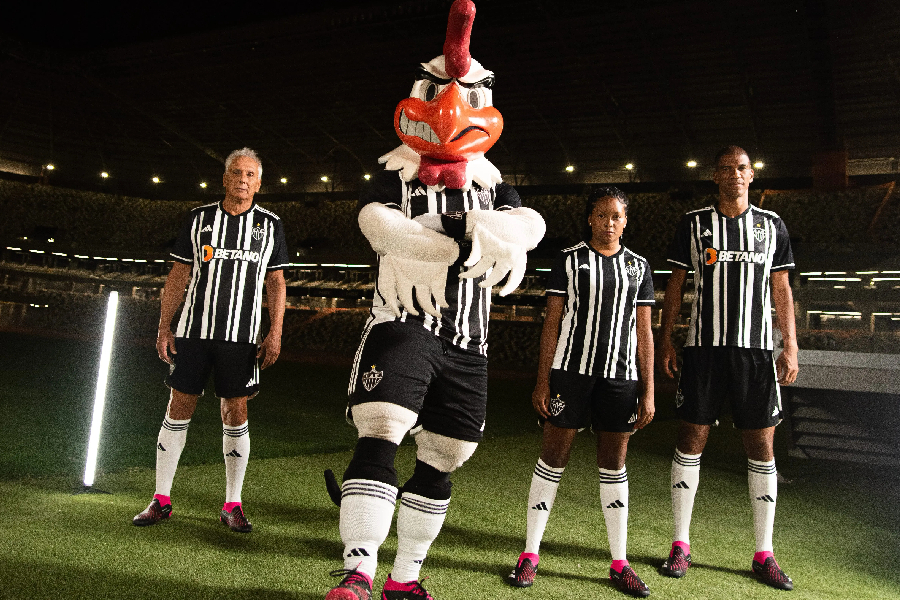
pixel 449 118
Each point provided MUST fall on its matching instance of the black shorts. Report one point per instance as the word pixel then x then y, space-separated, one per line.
pixel 407 365
pixel 745 377
pixel 234 364
pixel 577 401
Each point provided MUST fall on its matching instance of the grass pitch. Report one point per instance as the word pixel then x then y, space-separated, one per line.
pixel 836 529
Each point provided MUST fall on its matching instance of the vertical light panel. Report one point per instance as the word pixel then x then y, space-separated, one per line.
pixel 90 468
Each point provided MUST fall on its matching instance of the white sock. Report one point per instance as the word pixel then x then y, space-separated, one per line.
pixel 614 497
pixel 419 521
pixel 236 448
pixel 169 444
pixel 544 484
pixel 367 508
pixel 762 480
pixel 685 479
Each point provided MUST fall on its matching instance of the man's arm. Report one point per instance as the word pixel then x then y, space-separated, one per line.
pixel 646 406
pixel 549 336
pixel 172 296
pixel 670 309
pixel 786 364
pixel 275 298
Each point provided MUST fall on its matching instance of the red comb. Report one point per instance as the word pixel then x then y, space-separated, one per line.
pixel 457 59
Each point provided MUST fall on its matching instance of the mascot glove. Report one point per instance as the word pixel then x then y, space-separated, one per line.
pixel 398 276
pixel 490 252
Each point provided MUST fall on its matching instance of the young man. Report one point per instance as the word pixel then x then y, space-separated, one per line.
pixel 224 254
pixel 740 256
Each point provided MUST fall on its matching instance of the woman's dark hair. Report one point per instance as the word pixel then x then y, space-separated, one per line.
pixel 595 195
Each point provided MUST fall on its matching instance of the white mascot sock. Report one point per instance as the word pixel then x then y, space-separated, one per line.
pixel 419 521
pixel 367 508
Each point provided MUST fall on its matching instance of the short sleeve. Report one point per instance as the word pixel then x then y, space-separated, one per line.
pixel 645 295
pixel 279 258
pixel 183 250
pixel 506 197
pixel 386 188
pixel 558 282
pixel 680 250
pixel 784 256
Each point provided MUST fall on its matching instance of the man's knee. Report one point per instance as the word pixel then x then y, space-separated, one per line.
pixel 441 452
pixel 234 411
pixel 181 405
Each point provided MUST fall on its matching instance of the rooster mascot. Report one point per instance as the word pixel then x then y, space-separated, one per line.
pixel 446 229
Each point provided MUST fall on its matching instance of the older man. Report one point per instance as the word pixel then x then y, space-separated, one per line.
pixel 224 254
pixel 740 256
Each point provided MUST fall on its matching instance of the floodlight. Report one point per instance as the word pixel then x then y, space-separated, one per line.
pixel 692 163
pixel 570 168
pixel 104 174
pixel 284 180
pixel 758 164
pixel 324 178
pixel 155 179
pixel 629 166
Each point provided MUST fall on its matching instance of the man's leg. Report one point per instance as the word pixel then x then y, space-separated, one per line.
pixel 236 450
pixel 685 478
pixel 423 506
pixel 169 444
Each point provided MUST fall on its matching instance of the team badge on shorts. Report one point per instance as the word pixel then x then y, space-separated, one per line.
pixel 556 406
pixel 372 378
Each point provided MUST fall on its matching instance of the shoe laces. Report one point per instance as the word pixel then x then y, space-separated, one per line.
pixel 351 576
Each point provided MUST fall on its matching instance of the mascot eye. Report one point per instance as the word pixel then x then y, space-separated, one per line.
pixel 479 97
pixel 430 91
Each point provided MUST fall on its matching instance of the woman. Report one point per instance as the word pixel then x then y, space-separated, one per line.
pixel 596 368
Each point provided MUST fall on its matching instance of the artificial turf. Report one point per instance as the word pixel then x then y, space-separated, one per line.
pixel 836 529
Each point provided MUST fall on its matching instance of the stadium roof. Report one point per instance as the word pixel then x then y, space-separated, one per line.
pixel 594 85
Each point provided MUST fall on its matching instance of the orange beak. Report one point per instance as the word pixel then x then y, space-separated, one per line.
pixel 447 128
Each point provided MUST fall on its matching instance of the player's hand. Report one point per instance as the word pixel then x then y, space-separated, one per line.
pixel 667 359
pixel 490 252
pixel 645 412
pixel 165 346
pixel 399 276
pixel 269 351
pixel 786 366
pixel 540 399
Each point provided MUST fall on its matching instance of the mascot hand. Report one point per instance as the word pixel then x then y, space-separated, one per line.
pixel 398 276
pixel 490 252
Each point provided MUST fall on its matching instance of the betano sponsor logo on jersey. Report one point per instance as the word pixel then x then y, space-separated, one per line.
pixel 210 253
pixel 714 255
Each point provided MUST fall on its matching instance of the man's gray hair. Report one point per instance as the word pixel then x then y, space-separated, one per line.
pixel 243 152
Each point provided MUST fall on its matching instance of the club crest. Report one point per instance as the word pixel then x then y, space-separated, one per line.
pixel 556 406
pixel 371 378
pixel 632 269
pixel 257 232
pixel 759 233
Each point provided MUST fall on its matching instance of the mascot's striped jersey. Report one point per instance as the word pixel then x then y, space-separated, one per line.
pixel 464 322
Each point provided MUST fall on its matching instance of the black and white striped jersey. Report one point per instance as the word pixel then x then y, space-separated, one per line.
pixel 230 256
pixel 464 322
pixel 598 333
pixel 732 259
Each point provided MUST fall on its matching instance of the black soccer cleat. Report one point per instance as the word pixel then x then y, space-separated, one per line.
pixel 677 564
pixel 771 574
pixel 235 520
pixel 354 586
pixel 153 514
pixel 628 582
pixel 523 574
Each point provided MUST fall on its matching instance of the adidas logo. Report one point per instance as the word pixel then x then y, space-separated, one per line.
pixel 160 447
pixel 419 561
pixel 706 233
pixel 540 506
pixel 681 485
pixel 584 267
pixel 357 552
pixel 251 382
pixel 616 504
pixel 234 454
pixel 633 418
pixel 766 498
pixel 207 229
pixel 419 192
